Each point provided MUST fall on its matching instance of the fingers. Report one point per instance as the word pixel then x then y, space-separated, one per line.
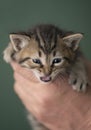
pixel 28 97
pixel 14 65
pixel 24 83
pixel 26 73
pixel 22 94
pixel 20 79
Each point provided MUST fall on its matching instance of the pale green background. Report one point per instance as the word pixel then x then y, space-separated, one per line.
pixel 19 14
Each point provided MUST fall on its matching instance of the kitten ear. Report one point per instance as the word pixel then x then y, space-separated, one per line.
pixel 19 41
pixel 73 40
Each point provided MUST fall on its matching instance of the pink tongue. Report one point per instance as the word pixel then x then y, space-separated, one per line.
pixel 46 78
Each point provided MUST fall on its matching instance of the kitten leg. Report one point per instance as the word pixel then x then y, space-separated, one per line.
pixel 78 77
pixel 35 124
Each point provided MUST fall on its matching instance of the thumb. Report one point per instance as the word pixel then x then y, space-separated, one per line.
pixel 15 66
pixel 26 73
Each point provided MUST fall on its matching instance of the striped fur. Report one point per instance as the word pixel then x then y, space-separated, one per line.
pixel 48 51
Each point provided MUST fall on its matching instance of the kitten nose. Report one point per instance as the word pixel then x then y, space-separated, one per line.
pixel 45 78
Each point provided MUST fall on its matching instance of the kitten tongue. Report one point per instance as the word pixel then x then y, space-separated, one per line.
pixel 45 78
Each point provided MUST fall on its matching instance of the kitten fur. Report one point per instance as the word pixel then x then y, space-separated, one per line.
pixel 49 52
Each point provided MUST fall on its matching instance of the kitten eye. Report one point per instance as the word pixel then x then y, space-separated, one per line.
pixel 56 60
pixel 37 61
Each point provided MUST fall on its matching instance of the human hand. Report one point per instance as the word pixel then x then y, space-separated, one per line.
pixel 55 105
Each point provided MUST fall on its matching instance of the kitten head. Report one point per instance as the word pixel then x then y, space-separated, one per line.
pixel 47 52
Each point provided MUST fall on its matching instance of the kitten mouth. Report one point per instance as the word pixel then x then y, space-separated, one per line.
pixel 45 78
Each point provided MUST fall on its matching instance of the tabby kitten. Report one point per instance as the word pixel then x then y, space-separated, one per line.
pixel 49 51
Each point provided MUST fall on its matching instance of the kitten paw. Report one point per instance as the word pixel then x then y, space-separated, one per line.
pixel 79 83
